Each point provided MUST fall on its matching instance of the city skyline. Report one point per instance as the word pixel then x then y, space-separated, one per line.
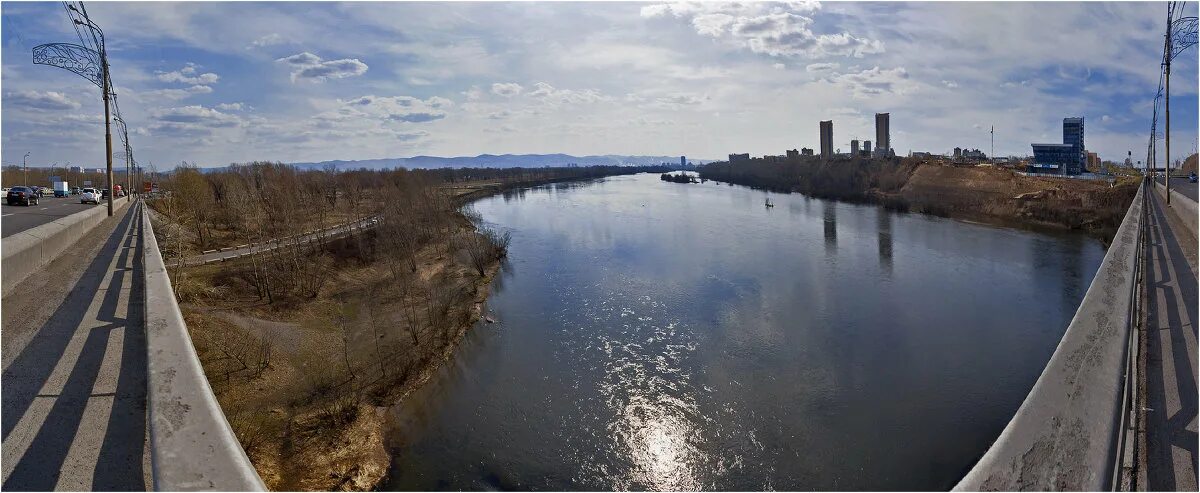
pixel 282 82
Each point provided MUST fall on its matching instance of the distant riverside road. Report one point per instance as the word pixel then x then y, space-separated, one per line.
pixel 1181 185
pixel 18 218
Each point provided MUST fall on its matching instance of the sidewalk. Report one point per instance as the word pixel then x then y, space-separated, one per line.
pixel 1171 365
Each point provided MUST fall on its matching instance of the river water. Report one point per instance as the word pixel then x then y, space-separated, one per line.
pixel 664 336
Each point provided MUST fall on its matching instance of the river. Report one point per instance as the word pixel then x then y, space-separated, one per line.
pixel 655 335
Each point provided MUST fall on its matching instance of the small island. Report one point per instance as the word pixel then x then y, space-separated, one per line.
pixel 679 178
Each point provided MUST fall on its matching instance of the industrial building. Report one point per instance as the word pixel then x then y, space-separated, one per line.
pixel 827 139
pixel 883 137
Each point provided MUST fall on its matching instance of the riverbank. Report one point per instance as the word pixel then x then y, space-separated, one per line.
pixel 977 193
pixel 305 380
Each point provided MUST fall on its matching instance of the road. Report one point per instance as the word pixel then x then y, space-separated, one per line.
pixel 1182 185
pixel 1171 366
pixel 18 218
pixel 74 356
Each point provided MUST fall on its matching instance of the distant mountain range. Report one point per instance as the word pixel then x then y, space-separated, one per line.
pixel 498 161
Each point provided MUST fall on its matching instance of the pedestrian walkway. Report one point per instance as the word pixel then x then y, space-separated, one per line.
pixel 1171 376
pixel 74 400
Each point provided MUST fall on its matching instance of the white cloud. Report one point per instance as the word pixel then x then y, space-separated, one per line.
pixel 40 100
pixel 392 109
pixel 819 68
pixel 779 30
pixel 875 81
pixel 551 95
pixel 272 39
pixel 196 115
pixel 507 89
pixel 187 75
pixel 230 106
pixel 309 66
pixel 950 84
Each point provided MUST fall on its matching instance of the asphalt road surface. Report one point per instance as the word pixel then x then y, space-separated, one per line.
pixel 1171 366
pixel 74 354
pixel 1182 185
pixel 18 218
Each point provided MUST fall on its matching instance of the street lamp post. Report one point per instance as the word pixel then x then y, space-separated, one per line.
pixel 25 164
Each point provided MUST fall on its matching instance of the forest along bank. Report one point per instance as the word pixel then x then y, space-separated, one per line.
pixel 982 193
pixel 305 345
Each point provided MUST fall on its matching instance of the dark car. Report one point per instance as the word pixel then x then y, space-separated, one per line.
pixel 104 193
pixel 1192 177
pixel 22 195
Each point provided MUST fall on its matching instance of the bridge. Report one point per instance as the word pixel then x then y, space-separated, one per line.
pixel 103 389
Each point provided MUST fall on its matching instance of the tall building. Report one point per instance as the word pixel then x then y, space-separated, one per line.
pixel 854 147
pixel 683 160
pixel 1073 135
pixel 867 148
pixel 827 139
pixel 883 136
pixel 793 154
pixel 1067 158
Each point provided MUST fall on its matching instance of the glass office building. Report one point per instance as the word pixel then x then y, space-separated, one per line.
pixel 1067 158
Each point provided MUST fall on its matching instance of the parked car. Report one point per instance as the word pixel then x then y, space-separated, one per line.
pixel 1192 177
pixel 89 195
pixel 22 195
pixel 104 193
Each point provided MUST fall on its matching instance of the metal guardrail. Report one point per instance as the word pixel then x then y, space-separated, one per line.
pixel 192 446
pixel 1070 432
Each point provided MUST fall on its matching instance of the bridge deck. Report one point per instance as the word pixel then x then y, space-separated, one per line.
pixel 1171 366
pixel 74 400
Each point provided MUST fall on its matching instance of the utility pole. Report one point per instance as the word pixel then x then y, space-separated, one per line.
pixel 25 164
pixel 1167 161
pixel 993 154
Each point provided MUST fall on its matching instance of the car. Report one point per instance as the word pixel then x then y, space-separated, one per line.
pixel 104 193
pixel 1192 177
pixel 89 195
pixel 21 195
pixel 75 191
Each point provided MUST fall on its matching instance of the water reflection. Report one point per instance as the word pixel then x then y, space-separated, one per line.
pixel 883 226
pixel 829 210
pixel 652 336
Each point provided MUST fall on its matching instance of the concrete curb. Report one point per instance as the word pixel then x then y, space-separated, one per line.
pixel 1183 208
pixel 30 250
pixel 192 446
pixel 1066 435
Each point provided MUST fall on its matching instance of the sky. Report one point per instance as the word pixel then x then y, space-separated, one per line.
pixel 217 83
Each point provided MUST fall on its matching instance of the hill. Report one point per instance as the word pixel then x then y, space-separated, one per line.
pixel 496 161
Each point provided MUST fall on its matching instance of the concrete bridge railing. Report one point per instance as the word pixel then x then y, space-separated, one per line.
pixel 1070 433
pixel 192 446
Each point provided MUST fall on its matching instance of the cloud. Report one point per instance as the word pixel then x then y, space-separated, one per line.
pixel 392 108
pixel 778 30
pixel 818 68
pixel 309 66
pixel 875 81
pixel 272 39
pixel 950 84
pixel 39 100
pixel 196 115
pixel 551 95
pixel 507 89
pixel 187 75
pixel 177 94
pixel 230 106
pixel 473 94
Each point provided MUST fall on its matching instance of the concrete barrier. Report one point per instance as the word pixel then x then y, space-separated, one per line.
pixel 191 444
pixel 1067 434
pixel 1183 207
pixel 30 250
